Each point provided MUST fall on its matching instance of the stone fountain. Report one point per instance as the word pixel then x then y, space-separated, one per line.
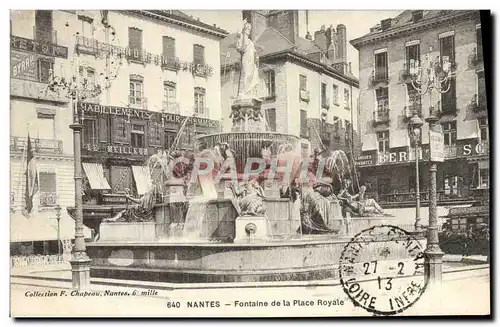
pixel 234 226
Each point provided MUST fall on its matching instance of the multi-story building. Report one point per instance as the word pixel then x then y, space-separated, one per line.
pixel 164 74
pixel 389 97
pixel 306 84
pixel 38 43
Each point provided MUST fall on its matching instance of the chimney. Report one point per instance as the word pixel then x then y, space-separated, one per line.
pixel 320 38
pixel 342 43
pixel 385 24
pixel 286 22
pixel 417 15
pixel 258 20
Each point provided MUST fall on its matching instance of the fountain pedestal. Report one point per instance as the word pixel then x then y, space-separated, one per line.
pixel 250 228
pixel 247 116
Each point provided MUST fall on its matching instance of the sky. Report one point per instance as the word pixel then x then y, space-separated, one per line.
pixel 358 23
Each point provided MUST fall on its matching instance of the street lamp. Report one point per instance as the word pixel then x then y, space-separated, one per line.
pixel 438 79
pixel 415 125
pixel 58 217
pixel 82 85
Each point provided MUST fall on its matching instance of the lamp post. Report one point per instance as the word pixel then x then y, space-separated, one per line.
pixel 82 85
pixel 415 125
pixel 438 79
pixel 58 217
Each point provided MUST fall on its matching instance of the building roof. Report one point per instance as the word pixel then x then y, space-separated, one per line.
pixel 403 23
pixel 271 43
pixel 180 18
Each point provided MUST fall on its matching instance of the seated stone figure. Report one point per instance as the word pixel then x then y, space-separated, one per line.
pixel 356 204
pixel 249 198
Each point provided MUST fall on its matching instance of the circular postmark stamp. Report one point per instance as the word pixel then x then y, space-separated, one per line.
pixel 382 270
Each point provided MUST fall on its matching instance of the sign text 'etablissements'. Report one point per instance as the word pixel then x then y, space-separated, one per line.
pixel 45 48
pixel 436 143
pixel 143 114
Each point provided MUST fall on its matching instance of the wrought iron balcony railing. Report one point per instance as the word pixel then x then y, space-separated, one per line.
pixel 304 95
pixel 379 76
pixel 87 45
pixel 40 146
pixel 325 103
pixel 171 63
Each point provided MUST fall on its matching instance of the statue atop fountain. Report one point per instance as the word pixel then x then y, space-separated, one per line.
pixel 246 109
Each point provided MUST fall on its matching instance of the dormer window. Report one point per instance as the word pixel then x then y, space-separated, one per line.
pixel 386 23
pixel 417 15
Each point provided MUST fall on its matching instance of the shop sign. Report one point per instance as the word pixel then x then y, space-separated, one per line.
pixel 144 114
pixel 118 149
pixel 26 63
pixel 436 143
pixel 48 49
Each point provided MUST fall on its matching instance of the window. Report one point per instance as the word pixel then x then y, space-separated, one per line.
pixel 414 100
pixel 412 53
pixel 347 99
pixel 271 119
pixel 383 141
pixel 335 94
pixel 451 186
pixel 381 66
pixel 48 190
pixel 168 48
pixel 479 36
pixel 324 101
pixel 199 101
pixel 169 138
pixel 484 178
pixel 46 130
pixel 382 94
pixel 154 134
pixel 447 47
pixel 135 42
pixel 198 54
pixel 481 90
pixel 169 97
pixel 87 26
pixel 87 77
pixel 483 127
pixel 459 224
pixel 45 69
pixel 303 124
pixel 270 83
pixel 450 133
pixel 417 15
pixel 43 26
pixel 136 92
pixel 303 82
pixel 137 136
pixel 90 135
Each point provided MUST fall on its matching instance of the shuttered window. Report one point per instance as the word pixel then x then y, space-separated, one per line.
pixel 198 54
pixel 48 189
pixel 271 119
pixel 168 47
pixel 303 124
pixel 134 38
pixel 43 25
pixel 121 130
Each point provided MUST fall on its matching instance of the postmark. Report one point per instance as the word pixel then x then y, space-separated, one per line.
pixel 382 270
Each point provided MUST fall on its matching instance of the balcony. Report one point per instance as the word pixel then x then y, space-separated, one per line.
pixel 87 45
pixel 304 95
pixel 40 146
pixel 171 107
pixel 201 112
pixel 325 103
pixel 478 103
pixel 44 35
pixel 381 115
pixel 136 55
pixel 412 110
pixel 201 69
pixel 171 63
pixel 379 78
pixel 138 102
pixel 48 199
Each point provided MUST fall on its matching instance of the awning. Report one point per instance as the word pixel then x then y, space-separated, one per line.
pixel 95 174
pixel 369 142
pixel 468 129
pixel 42 226
pixel 142 178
